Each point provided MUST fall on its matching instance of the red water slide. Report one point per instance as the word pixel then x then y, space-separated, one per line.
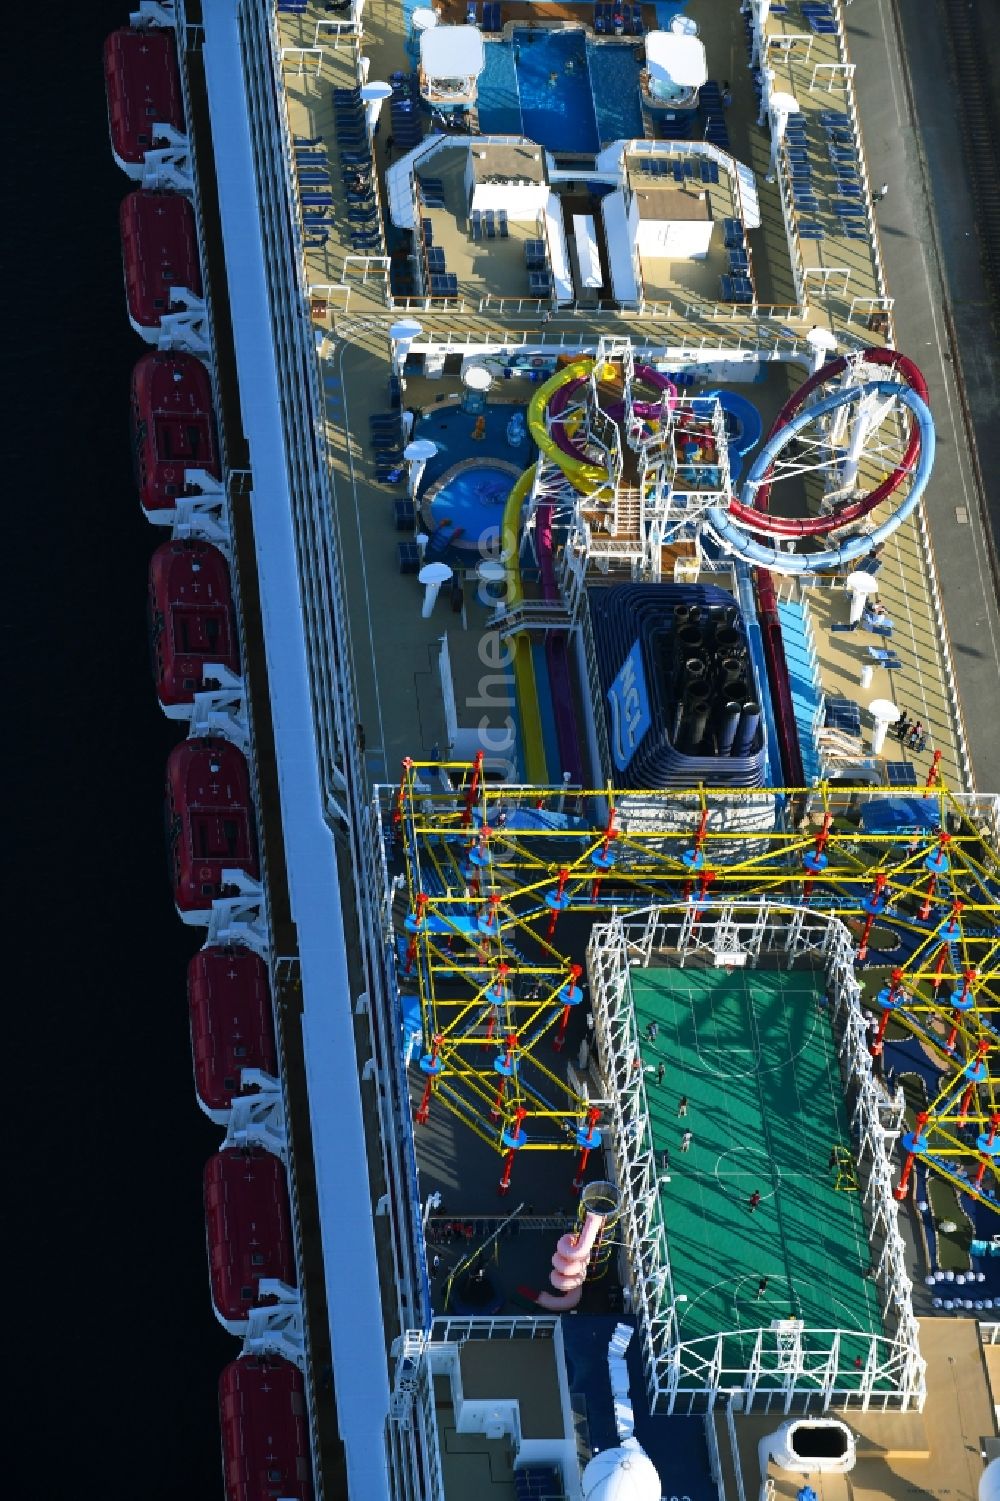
pixel 767 603
pixel 819 526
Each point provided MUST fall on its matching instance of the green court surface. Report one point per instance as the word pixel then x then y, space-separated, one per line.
pixel 754 1053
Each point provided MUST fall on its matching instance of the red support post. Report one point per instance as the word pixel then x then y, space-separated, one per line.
pixel 925 909
pixel 935 770
pixel 938 975
pixel 519 1115
pixel 991 1138
pixel 699 840
pixel 822 838
pixel 397 816
pixel 610 832
pixel 492 915
pixel 481 843
pixel 895 980
pixel 424 1108
pixel 593 1116
pixel 508 1060
pixel 497 996
pixel 560 888
pixel 559 1041
pixel 968 975
pixel 704 882
pixel 970 1089
pixel 877 889
pixel 411 950
pixel 904 1181
pixel 472 789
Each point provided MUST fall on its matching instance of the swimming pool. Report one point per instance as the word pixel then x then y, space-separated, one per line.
pixel 560 89
pixel 469 500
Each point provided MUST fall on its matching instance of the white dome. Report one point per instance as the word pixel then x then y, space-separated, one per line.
pixel 625 1474
pixel 989 1482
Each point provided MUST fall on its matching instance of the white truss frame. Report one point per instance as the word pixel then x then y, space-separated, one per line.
pixel 793 1369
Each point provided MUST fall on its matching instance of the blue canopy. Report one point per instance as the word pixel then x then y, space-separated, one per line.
pixel 901 815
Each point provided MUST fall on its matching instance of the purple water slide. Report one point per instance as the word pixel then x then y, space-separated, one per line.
pixel 561 398
pixel 556 649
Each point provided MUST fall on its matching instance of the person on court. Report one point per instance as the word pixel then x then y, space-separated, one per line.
pixel 661 1070
pixel 652 1031
pixel 761 1287
pixel 682 1106
pixel 686 1141
pixel 753 1200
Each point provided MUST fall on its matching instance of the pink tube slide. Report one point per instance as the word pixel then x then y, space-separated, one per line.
pixel 569 1266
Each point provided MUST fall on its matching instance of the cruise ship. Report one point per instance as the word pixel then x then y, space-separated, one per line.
pixel 598 996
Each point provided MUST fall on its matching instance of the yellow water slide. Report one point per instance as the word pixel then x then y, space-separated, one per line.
pixel 525 686
pixel 587 478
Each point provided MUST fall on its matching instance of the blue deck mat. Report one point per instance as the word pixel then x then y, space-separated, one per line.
pixel 546 712
pixel 676 1445
pixel 806 692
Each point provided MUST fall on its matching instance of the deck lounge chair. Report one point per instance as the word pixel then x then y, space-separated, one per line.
pixel 733 237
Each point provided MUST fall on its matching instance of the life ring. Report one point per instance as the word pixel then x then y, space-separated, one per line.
pixel 168 474
pixel 205 873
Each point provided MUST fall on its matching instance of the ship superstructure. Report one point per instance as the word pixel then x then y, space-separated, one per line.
pixel 580 794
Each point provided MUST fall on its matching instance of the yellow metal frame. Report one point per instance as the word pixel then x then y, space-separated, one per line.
pixel 457 968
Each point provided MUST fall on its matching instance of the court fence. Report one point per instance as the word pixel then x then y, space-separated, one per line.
pixel 790 1367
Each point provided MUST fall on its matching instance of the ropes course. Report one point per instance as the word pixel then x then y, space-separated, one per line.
pixel 504 883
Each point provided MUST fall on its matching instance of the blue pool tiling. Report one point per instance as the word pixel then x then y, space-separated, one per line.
pixel 594 98
pixel 557 106
pixel 614 78
pixel 471 505
pixel 499 103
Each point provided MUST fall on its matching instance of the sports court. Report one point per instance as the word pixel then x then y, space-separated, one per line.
pixel 754 1053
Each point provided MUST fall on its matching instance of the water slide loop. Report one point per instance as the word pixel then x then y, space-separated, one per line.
pixel 752 509
pixel 734 536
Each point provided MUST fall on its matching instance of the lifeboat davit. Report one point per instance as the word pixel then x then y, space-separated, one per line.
pixel 160 252
pixel 209 822
pixel 249 1231
pixel 173 429
pixel 265 1439
pixel 191 620
pixel 232 1028
pixel 144 90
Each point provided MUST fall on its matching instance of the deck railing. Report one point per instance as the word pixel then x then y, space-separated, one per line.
pixel 714 1460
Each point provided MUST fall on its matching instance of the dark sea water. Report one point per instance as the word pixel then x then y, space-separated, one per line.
pixel 112 1351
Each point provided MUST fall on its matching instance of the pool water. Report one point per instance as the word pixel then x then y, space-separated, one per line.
pixel 561 90
pixel 557 106
pixel 472 502
pixel 614 78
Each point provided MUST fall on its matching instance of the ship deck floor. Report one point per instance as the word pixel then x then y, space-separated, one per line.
pixel 755 1057
pixel 396 652
pixel 349 298
pixel 401 703
pixel 843 274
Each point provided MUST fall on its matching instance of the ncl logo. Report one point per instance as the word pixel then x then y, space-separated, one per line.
pixel 629 704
